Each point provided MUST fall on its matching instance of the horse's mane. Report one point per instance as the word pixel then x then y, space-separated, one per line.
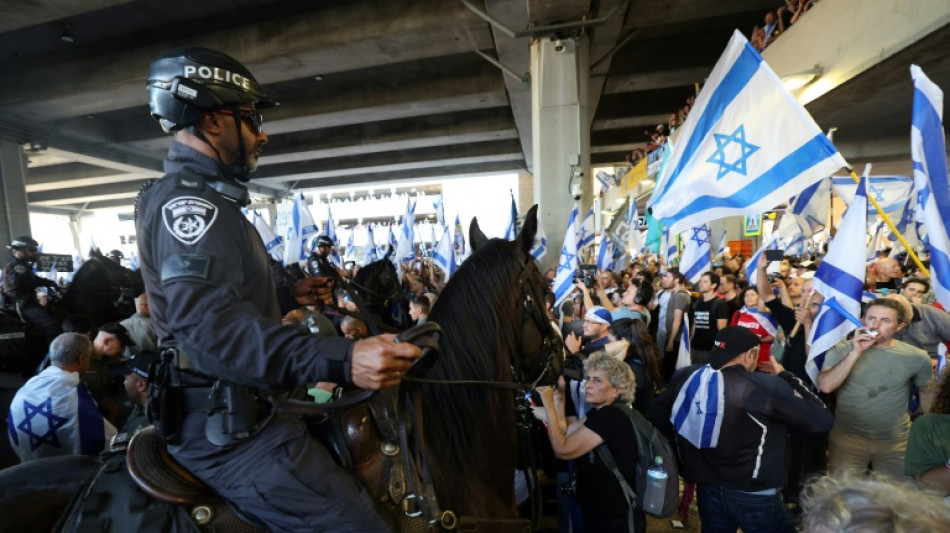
pixel 469 429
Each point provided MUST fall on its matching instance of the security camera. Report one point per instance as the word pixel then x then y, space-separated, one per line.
pixel 576 191
pixel 558 46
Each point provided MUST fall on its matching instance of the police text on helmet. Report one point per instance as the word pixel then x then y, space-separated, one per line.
pixel 217 74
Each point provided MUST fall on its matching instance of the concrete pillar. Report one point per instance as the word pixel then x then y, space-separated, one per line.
pixel 15 219
pixel 561 133
pixel 525 192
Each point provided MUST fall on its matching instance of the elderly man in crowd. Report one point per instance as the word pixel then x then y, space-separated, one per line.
pixel 53 413
pixel 873 374
pixel 139 325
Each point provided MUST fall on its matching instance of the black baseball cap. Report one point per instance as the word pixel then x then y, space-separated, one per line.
pixel 730 342
pixel 140 362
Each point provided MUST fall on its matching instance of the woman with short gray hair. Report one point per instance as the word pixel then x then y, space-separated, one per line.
pixel 609 388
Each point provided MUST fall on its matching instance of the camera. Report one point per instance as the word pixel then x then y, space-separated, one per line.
pixel 558 46
pixel 587 274
pixel 576 191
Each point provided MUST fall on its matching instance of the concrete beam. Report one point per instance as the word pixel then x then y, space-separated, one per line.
pixel 391 135
pixel 602 42
pixel 383 179
pixel 631 122
pixel 652 13
pixel 645 81
pixel 515 54
pixel 384 162
pixel 341 37
pixel 18 14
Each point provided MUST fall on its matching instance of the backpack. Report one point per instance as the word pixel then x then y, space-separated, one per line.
pixel 650 443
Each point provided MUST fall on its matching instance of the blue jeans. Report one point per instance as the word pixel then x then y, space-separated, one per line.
pixel 723 510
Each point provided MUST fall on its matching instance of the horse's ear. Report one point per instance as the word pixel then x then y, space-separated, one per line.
pixel 475 235
pixel 529 228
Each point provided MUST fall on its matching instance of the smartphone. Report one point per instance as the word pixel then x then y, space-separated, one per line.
pixel 774 255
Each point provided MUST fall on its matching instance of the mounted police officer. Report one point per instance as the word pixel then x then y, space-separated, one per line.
pixel 20 284
pixel 211 294
pixel 318 264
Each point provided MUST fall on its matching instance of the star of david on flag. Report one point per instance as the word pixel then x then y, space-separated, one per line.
pixel 695 259
pixel 746 146
pixel 567 263
pixel 928 152
pixel 40 424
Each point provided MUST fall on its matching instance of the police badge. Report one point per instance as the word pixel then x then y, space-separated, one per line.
pixel 188 218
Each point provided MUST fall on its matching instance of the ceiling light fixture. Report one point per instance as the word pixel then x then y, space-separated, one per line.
pixel 801 79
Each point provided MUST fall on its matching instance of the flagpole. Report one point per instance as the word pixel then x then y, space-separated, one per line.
pixel 887 220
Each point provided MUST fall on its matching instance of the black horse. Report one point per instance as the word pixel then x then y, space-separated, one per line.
pixel 103 290
pixel 377 284
pixel 495 331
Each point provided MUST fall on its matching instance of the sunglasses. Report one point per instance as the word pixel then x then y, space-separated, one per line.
pixel 257 121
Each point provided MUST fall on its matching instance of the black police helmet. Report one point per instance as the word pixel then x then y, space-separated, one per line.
pixel 117 254
pixel 323 240
pixel 185 82
pixel 23 241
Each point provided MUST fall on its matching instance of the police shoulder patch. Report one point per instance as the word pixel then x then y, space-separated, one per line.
pixel 20 269
pixel 188 218
pixel 186 266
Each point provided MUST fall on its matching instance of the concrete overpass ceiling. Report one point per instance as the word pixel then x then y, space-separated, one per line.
pixel 377 91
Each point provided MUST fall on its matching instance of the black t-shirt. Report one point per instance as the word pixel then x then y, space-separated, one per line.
pixel 794 356
pixel 644 393
pixel 705 327
pixel 601 498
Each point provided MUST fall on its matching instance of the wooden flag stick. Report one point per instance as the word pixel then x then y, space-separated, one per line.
pixel 798 324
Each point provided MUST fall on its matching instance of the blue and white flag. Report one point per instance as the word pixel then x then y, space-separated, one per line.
pixel 928 152
pixel 444 254
pixel 459 239
pixel 133 262
pixel 872 248
pixel 423 247
pixel 585 232
pixel 331 233
pixel 405 242
pixel 810 207
pixel 54 414
pixel 605 258
pixel 567 262
pixel 670 248
pixel 699 408
pixel 393 245
pixel 723 244
pixel 272 242
pixel 371 255
pixel 695 259
pixel 605 180
pixel 350 253
pixel 439 206
pixel 540 246
pixel 302 229
pixel 941 361
pixel 840 277
pixel 746 146
pixel 890 192
pixel 683 358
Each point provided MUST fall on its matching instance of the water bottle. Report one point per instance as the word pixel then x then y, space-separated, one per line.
pixel 655 492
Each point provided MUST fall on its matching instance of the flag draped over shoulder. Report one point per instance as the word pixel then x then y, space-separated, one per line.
pixel 928 151
pixel 699 408
pixel 746 146
pixel 567 262
pixel 54 414
pixel 695 259
pixel 840 279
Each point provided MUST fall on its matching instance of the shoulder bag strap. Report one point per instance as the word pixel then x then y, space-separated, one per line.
pixel 628 492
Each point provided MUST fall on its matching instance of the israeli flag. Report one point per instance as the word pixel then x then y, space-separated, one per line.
pixel 272 243
pixel 786 232
pixel 906 225
pixel 511 231
pixel 302 229
pixel 540 246
pixel 941 361
pixel 723 245
pixel 746 146
pixel 634 238
pixel 840 279
pixel 331 233
pixel 444 255
pixel 133 263
pixel 810 207
pixel 567 263
pixel 605 180
pixel 405 243
pixel 54 414
pixel 585 232
pixel 393 244
pixel 873 246
pixel 890 192
pixel 928 152
pixel 670 248
pixel 350 253
pixel 696 253
pixel 370 256
pixel 683 354
pixel 699 408
pixel 438 205
pixel 459 236
pixel 605 259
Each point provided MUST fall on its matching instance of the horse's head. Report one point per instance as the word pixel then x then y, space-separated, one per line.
pixel 378 284
pixel 540 352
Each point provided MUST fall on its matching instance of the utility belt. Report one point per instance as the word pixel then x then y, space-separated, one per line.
pixel 234 412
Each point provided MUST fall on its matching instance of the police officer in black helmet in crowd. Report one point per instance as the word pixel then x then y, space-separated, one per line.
pixel 211 295
pixel 20 284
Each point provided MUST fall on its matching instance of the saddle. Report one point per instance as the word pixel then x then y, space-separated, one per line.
pixel 164 479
